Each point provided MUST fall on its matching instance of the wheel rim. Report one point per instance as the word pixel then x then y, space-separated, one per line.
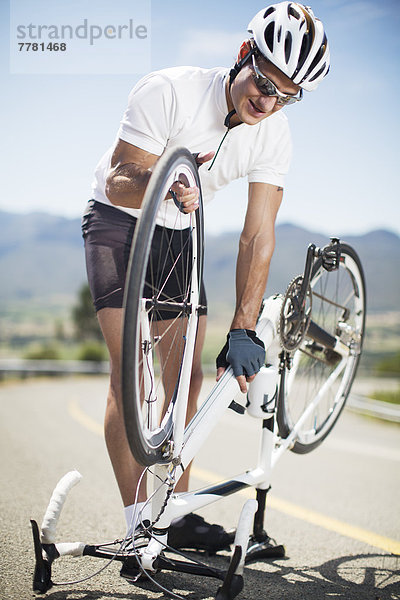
pixel 320 379
pixel 164 298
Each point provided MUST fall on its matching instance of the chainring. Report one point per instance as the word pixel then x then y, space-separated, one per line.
pixel 294 318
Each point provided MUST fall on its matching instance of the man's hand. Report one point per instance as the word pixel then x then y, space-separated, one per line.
pixel 245 352
pixel 189 196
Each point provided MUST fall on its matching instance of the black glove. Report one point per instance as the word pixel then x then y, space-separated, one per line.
pixel 244 351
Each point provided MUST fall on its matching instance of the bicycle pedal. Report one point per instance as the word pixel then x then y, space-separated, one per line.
pixel 130 570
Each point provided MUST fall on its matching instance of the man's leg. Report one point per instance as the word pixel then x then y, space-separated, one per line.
pixel 192 531
pixel 127 470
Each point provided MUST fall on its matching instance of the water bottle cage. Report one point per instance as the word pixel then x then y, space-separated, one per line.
pixel 269 404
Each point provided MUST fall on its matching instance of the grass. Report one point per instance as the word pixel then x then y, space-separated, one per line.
pixel 392 396
pixel 57 350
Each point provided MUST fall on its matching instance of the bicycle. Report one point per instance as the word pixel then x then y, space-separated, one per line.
pixel 313 335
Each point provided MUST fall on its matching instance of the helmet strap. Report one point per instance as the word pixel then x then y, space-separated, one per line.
pixel 244 55
pixel 228 118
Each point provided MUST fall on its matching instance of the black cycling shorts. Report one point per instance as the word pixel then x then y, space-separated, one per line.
pixel 108 233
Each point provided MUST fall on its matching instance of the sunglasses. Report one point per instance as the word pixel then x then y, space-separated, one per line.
pixel 267 88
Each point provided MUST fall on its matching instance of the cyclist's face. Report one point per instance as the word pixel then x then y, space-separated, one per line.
pixel 251 105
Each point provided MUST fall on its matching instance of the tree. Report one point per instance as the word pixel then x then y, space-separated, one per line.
pixel 84 317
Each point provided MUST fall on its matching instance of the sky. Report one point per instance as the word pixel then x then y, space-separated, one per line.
pixel 344 176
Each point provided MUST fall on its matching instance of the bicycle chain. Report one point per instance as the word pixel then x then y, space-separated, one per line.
pixel 294 319
pixel 168 495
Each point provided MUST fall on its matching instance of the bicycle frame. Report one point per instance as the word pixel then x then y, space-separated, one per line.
pixel 197 431
pixel 195 434
pixel 189 441
pixel 167 505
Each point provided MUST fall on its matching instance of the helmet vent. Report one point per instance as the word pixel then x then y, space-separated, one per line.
pixel 302 55
pixel 292 12
pixel 288 46
pixel 317 58
pixel 269 36
pixel 269 11
pixel 305 48
pixel 318 73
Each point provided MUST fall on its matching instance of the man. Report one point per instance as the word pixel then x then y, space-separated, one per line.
pixel 234 121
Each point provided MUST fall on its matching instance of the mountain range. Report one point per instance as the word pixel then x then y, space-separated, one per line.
pixel 42 260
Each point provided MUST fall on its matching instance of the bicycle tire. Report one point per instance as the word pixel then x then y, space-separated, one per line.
pixel 318 375
pixel 153 346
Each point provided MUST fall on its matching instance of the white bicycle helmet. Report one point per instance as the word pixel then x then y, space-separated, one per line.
pixel 293 39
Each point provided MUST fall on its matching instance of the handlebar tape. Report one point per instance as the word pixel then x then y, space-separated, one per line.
pixel 50 520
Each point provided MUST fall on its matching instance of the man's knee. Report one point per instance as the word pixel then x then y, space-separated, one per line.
pixel 114 392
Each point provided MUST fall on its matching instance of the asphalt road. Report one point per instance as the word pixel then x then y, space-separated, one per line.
pixel 336 510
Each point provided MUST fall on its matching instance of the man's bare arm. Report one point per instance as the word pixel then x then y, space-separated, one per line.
pixel 129 175
pixel 256 246
pixel 257 243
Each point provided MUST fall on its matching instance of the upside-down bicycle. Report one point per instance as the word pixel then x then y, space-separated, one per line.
pixel 313 335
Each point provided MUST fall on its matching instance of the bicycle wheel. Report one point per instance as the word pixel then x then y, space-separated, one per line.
pixel 319 381
pixel 162 302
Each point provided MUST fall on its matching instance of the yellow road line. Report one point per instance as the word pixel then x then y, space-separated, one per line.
pixel 283 506
pixel 87 422
pixel 311 516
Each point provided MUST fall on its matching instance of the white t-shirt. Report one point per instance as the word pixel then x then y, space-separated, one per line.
pixel 186 106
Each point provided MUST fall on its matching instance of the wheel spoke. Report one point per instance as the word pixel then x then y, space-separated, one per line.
pixel 318 388
pixel 163 286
